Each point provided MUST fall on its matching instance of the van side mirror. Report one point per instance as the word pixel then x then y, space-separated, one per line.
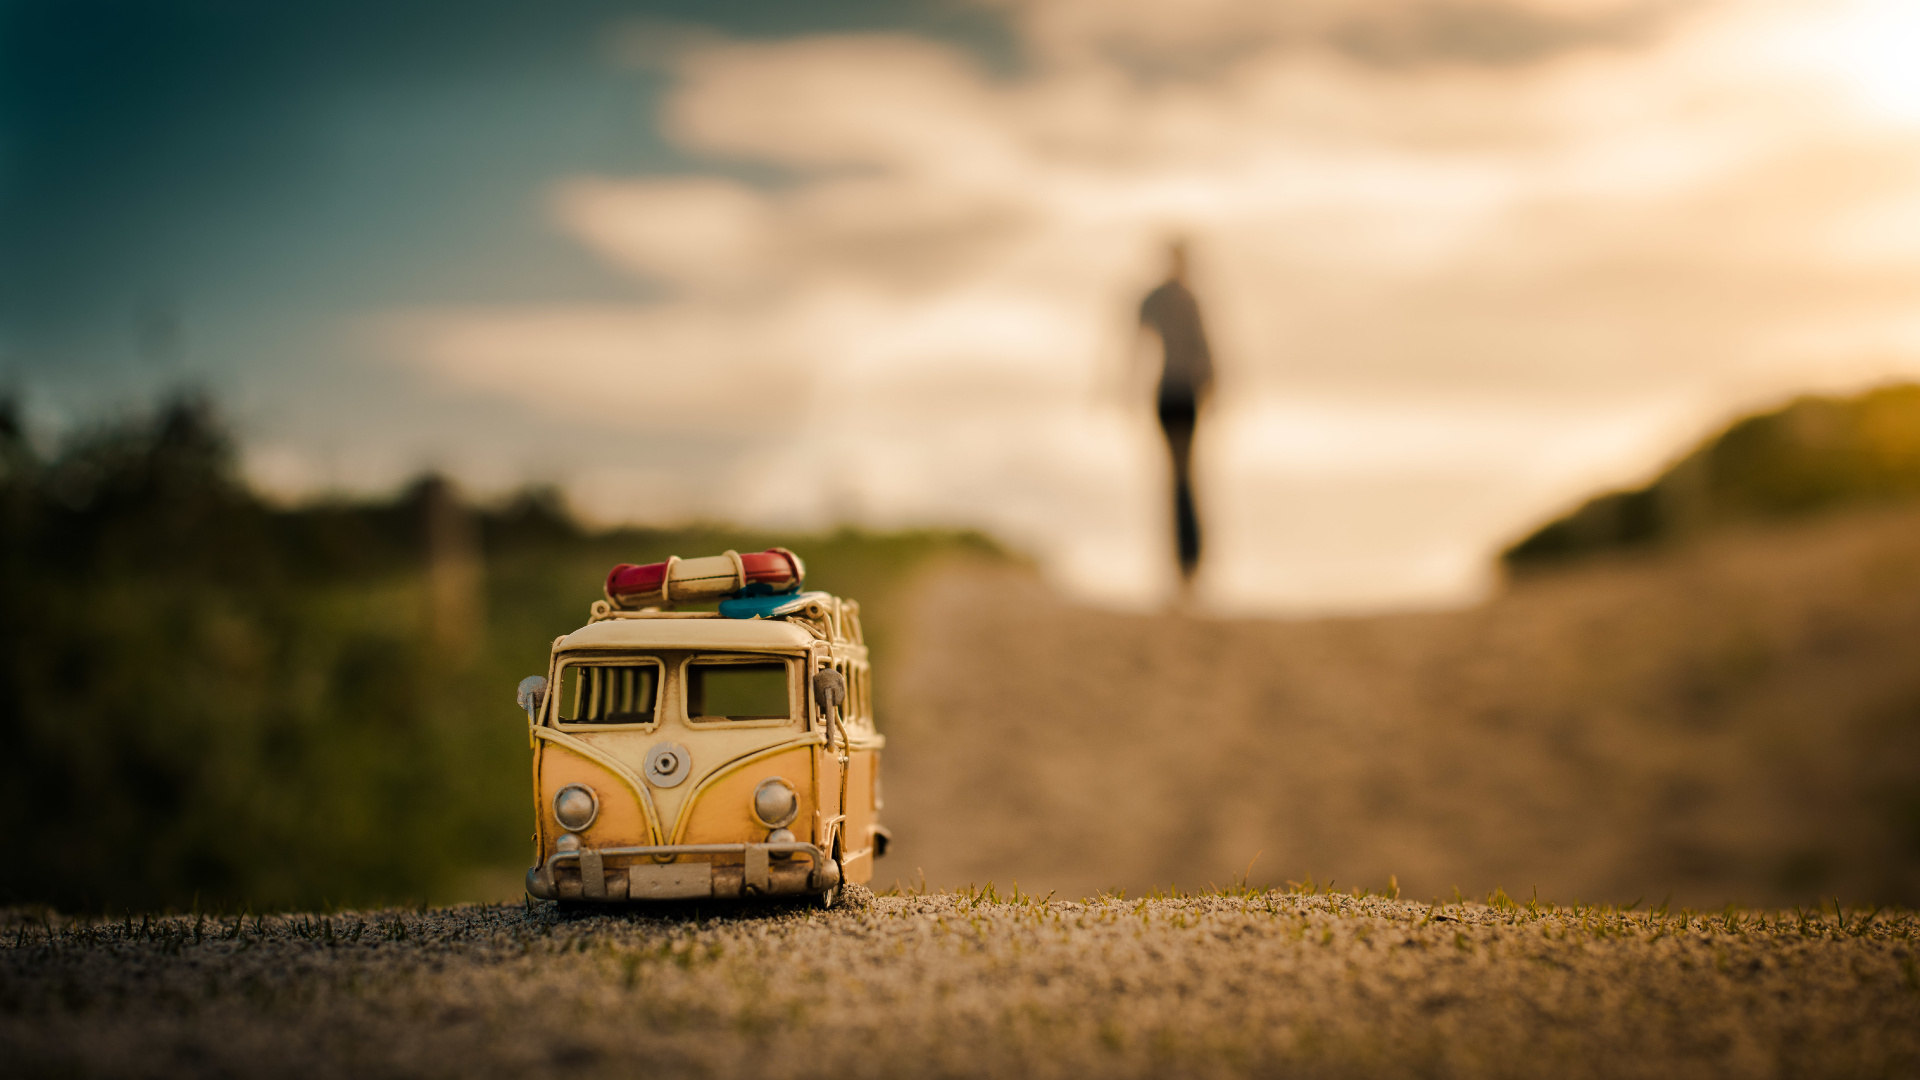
pixel 829 689
pixel 532 695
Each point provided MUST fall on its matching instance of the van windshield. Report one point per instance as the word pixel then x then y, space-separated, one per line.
pixel 621 692
pixel 743 689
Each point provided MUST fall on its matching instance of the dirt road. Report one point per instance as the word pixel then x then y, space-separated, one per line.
pixel 1737 720
pixel 1253 984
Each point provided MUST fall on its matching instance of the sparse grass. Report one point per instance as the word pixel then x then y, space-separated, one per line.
pixel 1230 981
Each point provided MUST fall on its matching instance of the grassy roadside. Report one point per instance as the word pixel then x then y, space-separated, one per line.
pixel 1227 983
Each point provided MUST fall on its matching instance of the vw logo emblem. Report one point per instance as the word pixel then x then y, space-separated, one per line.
pixel 668 764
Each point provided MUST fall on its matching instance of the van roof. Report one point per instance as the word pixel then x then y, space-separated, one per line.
pixel 688 634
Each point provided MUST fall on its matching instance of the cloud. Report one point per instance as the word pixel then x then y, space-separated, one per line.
pixel 698 233
pixel 641 367
pixel 1152 39
pixel 868 99
pixel 1495 254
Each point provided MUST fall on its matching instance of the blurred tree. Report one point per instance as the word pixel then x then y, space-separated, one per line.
pixel 176 675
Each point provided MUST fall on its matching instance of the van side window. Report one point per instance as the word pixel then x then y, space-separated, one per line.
pixel 625 693
pixel 857 711
pixel 734 690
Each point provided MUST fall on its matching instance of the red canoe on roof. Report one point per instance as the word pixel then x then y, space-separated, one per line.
pixel 686 581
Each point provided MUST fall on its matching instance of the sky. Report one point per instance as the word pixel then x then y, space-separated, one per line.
pixel 1463 263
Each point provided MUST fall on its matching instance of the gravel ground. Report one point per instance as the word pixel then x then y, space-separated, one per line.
pixel 1247 983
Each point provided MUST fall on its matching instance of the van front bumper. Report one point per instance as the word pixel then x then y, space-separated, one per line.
pixel 656 873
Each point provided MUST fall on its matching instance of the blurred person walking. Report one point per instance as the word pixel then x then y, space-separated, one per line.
pixel 1186 378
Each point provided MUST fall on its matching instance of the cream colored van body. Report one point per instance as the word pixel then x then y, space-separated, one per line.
pixel 650 782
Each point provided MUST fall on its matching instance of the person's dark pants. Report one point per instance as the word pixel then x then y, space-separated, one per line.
pixel 1177 420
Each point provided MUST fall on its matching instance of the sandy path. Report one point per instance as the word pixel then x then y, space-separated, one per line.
pixel 943 985
pixel 1738 720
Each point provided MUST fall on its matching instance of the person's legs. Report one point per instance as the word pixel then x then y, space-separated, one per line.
pixel 1177 421
pixel 1187 527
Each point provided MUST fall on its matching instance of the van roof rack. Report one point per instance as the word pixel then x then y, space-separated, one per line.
pixel 831 616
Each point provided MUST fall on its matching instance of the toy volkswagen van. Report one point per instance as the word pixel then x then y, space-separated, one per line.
pixel 683 755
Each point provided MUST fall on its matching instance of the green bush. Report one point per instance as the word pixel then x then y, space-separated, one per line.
pixel 1815 454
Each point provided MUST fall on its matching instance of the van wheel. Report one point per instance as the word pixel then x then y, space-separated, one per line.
pixel 827 897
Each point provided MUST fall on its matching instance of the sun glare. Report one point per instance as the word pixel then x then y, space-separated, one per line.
pixel 1873 47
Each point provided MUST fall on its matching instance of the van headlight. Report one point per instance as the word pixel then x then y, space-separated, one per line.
pixel 774 803
pixel 575 806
